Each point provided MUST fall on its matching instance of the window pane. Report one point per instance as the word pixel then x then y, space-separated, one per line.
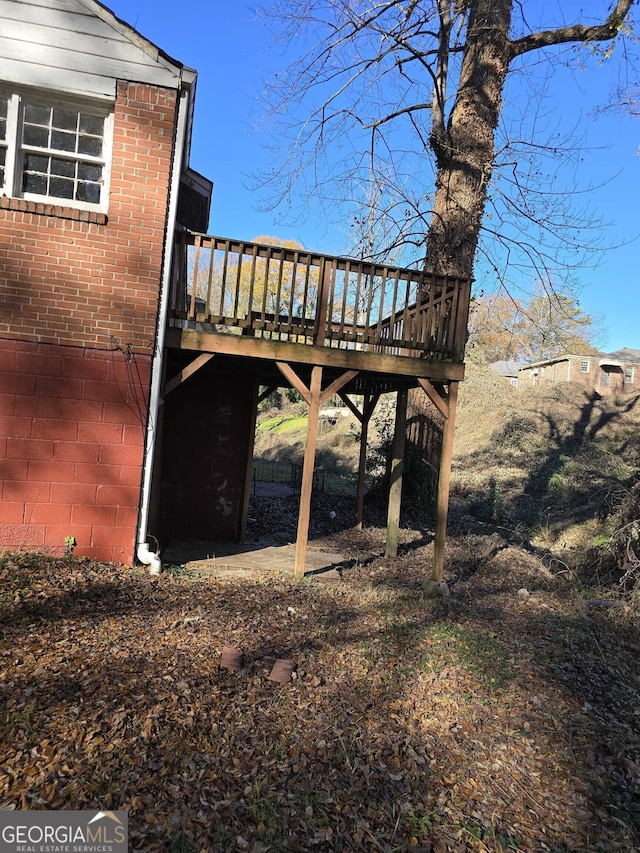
pixel 88 192
pixel 64 168
pixel 35 163
pixel 3 128
pixel 3 158
pixel 89 172
pixel 77 172
pixel 91 124
pixel 34 184
pixel 37 115
pixel 61 188
pixel 90 145
pixel 61 141
pixel 34 135
pixel 65 119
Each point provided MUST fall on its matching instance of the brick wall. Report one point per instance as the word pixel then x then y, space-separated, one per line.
pixel 605 379
pixel 72 425
pixel 78 310
pixel 68 281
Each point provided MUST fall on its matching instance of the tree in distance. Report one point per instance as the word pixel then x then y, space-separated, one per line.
pixel 547 325
pixel 239 284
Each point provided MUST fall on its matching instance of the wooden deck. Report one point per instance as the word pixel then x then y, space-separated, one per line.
pixel 261 301
pixel 323 325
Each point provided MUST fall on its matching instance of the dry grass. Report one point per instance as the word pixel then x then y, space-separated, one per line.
pixel 553 465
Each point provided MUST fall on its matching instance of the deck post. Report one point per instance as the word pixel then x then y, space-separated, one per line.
pixel 444 482
pixel 362 470
pixel 397 466
pixel 368 408
pixel 307 472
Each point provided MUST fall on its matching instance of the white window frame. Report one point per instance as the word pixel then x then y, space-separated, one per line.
pixel 15 149
pixel 629 373
pixel 585 366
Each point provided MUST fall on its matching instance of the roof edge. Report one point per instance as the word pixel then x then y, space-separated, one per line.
pixel 103 12
pixel 563 357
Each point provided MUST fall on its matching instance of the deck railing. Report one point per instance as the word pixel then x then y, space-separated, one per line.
pixel 307 298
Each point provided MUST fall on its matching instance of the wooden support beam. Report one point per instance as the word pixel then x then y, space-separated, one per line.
pixel 444 482
pixel 307 473
pixel 337 384
pixel 186 372
pixel 441 403
pixel 370 403
pixel 284 351
pixel 397 465
pixel 350 405
pixel 269 390
pixel 289 373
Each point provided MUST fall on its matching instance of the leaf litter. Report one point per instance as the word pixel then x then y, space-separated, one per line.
pixel 491 721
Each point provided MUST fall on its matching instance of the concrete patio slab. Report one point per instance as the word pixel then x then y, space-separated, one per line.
pixel 252 561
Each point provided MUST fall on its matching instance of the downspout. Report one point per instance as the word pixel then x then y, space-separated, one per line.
pixel 144 553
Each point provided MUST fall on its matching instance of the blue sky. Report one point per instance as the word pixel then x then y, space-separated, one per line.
pixel 234 54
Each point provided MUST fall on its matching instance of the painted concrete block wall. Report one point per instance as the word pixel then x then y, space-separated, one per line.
pixel 78 309
pixel 72 425
pixel 207 423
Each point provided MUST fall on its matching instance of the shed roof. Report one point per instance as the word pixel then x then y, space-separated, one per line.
pixel 507 368
pixel 625 354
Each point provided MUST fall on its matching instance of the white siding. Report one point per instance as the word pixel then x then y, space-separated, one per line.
pixel 75 46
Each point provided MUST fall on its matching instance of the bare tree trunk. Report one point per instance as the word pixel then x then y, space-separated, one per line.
pixel 465 151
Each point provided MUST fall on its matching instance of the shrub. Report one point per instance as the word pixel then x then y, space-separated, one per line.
pixel 624 545
pixel 516 432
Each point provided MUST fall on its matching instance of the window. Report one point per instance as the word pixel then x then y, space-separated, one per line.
pixel 585 366
pixel 605 377
pixel 628 374
pixel 57 152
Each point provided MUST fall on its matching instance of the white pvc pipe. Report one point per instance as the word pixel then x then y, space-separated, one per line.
pixel 144 553
pixel 149 558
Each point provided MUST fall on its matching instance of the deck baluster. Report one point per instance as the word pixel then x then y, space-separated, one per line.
pixel 297 297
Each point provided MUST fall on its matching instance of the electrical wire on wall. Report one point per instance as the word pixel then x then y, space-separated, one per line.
pixel 138 404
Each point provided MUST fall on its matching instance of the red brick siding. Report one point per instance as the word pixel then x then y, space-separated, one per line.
pixel 557 372
pixel 69 281
pixel 71 461
pixel 576 374
pixel 73 410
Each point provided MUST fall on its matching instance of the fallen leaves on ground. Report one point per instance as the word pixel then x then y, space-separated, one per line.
pixel 488 722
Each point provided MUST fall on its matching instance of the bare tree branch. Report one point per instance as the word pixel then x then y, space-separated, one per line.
pixel 605 31
pixel 393 119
